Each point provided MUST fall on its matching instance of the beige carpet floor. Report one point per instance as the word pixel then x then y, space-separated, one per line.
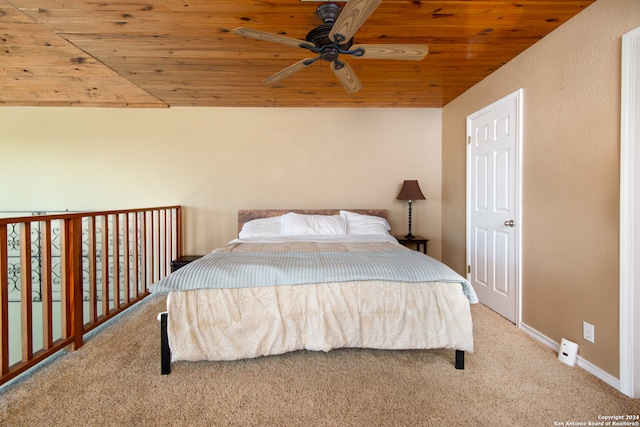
pixel 114 380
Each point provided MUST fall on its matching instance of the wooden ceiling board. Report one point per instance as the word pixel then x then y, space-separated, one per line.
pixel 40 68
pixel 130 53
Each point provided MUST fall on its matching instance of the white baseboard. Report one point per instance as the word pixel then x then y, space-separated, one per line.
pixel 583 363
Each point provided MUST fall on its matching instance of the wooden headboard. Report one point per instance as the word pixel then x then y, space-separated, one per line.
pixel 249 214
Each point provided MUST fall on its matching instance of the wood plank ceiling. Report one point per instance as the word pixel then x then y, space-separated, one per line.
pixel 162 53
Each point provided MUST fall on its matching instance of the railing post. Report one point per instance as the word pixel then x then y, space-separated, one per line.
pixel 26 287
pixel 72 279
pixel 93 271
pixel 4 302
pixel 178 232
pixel 116 261
pixel 105 266
pixel 46 283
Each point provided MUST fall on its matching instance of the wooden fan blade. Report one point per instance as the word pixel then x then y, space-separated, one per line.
pixel 411 52
pixel 262 35
pixel 347 77
pixel 291 69
pixel 353 15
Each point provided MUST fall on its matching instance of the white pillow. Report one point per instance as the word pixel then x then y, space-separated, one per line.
pixel 294 224
pixel 261 227
pixel 365 224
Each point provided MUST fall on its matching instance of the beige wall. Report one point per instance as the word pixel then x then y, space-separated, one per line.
pixel 571 82
pixel 216 161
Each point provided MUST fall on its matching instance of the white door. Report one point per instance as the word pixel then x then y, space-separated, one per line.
pixel 493 204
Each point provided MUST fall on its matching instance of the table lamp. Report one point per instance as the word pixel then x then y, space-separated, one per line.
pixel 410 191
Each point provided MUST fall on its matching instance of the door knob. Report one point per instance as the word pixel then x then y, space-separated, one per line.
pixel 510 223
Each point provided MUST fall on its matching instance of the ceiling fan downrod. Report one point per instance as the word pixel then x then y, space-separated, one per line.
pixel 328 12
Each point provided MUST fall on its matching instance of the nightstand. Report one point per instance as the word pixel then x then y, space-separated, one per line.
pixel 182 261
pixel 418 241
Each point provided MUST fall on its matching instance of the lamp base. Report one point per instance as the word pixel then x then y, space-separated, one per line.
pixel 409 236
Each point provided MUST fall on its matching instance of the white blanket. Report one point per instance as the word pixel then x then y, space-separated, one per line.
pixel 230 324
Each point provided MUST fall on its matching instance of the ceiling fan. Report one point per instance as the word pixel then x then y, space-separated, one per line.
pixel 334 38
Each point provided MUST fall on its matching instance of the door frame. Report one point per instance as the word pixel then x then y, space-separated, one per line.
pixel 518 96
pixel 629 198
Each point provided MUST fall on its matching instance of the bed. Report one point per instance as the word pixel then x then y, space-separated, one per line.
pixel 312 280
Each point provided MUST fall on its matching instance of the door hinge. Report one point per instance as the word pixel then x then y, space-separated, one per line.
pixel 468 140
pixel 468 269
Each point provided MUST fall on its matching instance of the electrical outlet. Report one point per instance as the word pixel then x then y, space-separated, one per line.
pixel 588 332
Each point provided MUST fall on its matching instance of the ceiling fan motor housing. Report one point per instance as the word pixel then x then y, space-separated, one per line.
pixel 319 36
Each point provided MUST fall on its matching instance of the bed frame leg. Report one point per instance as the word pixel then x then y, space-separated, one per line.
pixel 459 359
pixel 165 351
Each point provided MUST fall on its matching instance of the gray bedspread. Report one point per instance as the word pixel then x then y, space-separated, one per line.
pixel 221 269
